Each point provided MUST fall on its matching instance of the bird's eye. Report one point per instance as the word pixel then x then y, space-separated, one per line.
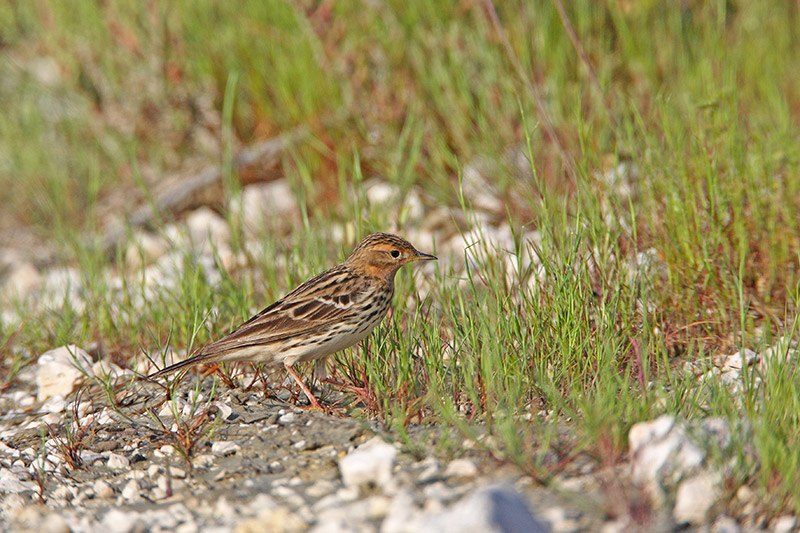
pixel 395 254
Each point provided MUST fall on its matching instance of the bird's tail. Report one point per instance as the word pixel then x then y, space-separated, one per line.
pixel 179 365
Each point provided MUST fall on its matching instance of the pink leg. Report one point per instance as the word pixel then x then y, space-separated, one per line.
pixel 303 386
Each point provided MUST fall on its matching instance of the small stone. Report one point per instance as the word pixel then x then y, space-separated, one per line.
pixel 369 464
pixel 131 491
pixel 264 206
pixel 22 279
pixel 491 510
pixel 63 493
pixel 429 470
pixel 204 460
pixel 88 457
pixel 380 193
pixel 11 483
pixel 56 371
pixel 287 418
pixel 321 488
pixel 784 524
pixel 463 468
pixel 725 524
pixel 224 510
pixel 7 451
pixel 116 521
pixel 299 445
pixel 55 404
pixel 118 462
pixel 695 498
pixel 661 452
pixel 207 229
pixel 224 448
pixel 273 520
pixel 559 521
pixel 102 489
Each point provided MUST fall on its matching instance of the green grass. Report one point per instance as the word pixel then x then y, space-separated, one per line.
pixel 699 102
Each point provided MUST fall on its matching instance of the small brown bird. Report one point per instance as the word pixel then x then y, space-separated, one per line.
pixel 326 314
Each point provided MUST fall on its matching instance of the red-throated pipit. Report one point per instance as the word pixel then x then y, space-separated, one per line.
pixel 327 313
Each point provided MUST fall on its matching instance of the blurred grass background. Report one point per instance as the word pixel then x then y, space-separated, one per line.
pixel 696 107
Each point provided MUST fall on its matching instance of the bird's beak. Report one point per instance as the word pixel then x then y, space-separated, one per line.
pixel 422 257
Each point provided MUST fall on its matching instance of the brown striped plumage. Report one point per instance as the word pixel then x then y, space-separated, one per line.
pixel 326 314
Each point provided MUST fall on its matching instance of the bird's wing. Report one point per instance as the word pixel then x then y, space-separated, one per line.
pixel 325 299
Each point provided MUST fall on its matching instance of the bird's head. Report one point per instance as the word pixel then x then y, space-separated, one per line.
pixel 382 254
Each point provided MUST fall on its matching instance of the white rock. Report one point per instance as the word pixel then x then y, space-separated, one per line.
pixel 494 509
pixel 224 448
pixel 116 521
pixel 207 229
pixel 403 515
pixel 320 488
pixel 204 460
pixel 118 462
pixel 661 453
pixel 695 498
pixel 102 489
pixel 224 510
pixel 784 524
pixel 369 464
pixel 7 451
pixel 725 524
pixel 559 521
pixel 88 457
pixel 131 491
pixel 380 193
pixel 56 371
pixel 287 418
pixel 22 279
pixel 225 410
pixel 429 469
pixel 461 468
pixel 10 483
pixel 477 188
pixel 55 404
pixel 266 205
pixel 273 520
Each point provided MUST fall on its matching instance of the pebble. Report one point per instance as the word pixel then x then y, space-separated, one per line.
pixel 462 468
pixel 102 489
pixel 117 521
pixel 695 498
pixel 370 464
pixel 207 230
pixel 204 460
pixel 265 205
pixel 131 491
pixel 497 509
pixel 287 418
pixel 661 452
pixel 273 520
pixel 224 448
pixel 725 524
pixel 22 279
pixel 118 462
pixel 784 524
pixel 11 483
pixel 56 373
